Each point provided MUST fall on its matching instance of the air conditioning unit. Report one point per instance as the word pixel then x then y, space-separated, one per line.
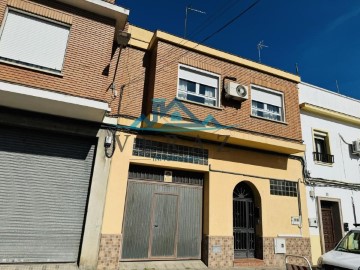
pixel 356 146
pixel 236 91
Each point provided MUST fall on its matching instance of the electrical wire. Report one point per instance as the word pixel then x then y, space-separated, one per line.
pixel 175 59
pixel 321 182
pixel 211 19
pixel 342 138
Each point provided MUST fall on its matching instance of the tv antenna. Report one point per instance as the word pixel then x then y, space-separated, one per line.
pixel 261 46
pixel 337 86
pixel 186 16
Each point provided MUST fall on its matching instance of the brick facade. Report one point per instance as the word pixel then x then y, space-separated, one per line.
pixel 231 112
pixel 89 62
pixel 130 80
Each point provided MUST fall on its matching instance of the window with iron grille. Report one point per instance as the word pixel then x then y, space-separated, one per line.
pixel 322 147
pixel 170 152
pixel 283 188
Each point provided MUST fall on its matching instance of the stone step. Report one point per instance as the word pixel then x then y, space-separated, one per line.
pixel 252 262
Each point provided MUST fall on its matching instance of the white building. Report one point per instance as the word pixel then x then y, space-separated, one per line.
pixel 330 124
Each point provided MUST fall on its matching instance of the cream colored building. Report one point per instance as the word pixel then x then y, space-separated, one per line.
pixel 199 172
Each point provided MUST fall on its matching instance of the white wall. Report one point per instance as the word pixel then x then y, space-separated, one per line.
pixel 328 99
pixel 346 166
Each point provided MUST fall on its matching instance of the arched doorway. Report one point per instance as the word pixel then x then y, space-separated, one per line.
pixel 244 217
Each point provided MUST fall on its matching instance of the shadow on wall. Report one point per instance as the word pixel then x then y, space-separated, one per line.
pixel 250 157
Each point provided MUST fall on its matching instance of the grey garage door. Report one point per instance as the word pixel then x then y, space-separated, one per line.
pixel 162 220
pixel 44 183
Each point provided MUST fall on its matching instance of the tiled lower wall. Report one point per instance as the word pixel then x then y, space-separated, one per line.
pixel 218 251
pixel 109 253
pixel 294 246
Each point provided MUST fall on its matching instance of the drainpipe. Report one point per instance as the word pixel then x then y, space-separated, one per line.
pixel 354 210
pixel 122 39
pixel 299 206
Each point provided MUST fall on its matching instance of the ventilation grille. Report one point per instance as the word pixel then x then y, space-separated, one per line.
pixel 157 174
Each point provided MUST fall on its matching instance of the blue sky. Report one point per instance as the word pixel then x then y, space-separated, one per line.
pixel 322 36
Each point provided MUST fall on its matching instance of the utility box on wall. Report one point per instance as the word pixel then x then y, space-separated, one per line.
pixel 313 222
pixel 280 245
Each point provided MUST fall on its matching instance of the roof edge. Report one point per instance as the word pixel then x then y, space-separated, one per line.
pixel 330 113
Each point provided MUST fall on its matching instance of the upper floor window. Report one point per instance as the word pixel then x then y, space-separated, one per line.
pixel 198 86
pixel 322 147
pixel 32 41
pixel 267 103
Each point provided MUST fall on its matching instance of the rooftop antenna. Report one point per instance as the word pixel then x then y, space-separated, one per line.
pixel 261 46
pixel 337 86
pixel 297 68
pixel 186 15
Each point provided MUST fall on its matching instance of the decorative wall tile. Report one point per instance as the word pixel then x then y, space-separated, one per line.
pixel 218 251
pixel 109 253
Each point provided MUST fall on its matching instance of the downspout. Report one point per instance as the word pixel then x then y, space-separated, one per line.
pixel 354 209
pixel 299 206
pixel 122 39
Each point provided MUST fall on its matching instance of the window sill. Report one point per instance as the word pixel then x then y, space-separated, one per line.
pixel 267 119
pixel 59 74
pixel 323 163
pixel 200 104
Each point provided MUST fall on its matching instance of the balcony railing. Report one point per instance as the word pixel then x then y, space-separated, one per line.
pixel 326 158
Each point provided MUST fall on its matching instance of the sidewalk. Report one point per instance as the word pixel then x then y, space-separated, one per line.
pixel 180 265
pixel 65 266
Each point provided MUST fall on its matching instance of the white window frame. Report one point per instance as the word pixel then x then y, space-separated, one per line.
pixel 325 136
pixel 197 93
pixel 282 108
pixel 30 65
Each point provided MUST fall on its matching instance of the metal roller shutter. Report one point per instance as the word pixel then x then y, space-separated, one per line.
pixel 44 183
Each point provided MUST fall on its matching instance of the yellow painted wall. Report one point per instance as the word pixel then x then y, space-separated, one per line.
pixel 315 248
pixel 276 211
pixel 116 192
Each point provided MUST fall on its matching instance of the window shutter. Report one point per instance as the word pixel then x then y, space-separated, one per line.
pixel 266 97
pixel 33 41
pixel 198 77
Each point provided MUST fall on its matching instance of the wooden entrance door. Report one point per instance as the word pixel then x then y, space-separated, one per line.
pixel 328 228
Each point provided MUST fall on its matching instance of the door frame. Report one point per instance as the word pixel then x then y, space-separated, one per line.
pixel 153 207
pixel 247 200
pixel 321 227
